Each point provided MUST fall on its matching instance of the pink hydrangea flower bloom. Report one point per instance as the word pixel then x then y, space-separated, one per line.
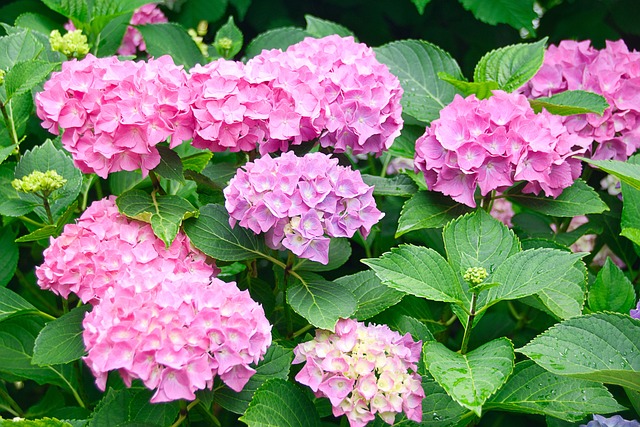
pixel 113 113
pixel 613 72
pixel 363 371
pixel 493 143
pixel 132 42
pixel 300 202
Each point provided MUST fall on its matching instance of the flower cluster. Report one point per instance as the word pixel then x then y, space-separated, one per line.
pixel 299 202
pixel 615 421
pixel 333 89
pixel 114 113
pixel 132 42
pixel 159 315
pixel 43 183
pixel 613 72
pixel 72 45
pixel 363 370
pixel 494 142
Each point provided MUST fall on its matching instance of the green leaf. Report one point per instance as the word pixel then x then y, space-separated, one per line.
pixel 171 39
pixel 231 32
pixel 420 5
pixel 170 166
pixel 527 273
pixel 600 347
pixel 111 35
pixel 339 253
pixel 427 209
pixel 131 407
pixel 319 28
pixel 565 296
pixel 510 66
pixel 276 364
pixel 371 295
pixel 8 256
pixel 470 379
pixel 533 390
pixel 439 409
pixel 278 38
pixel 630 221
pixel 612 291
pixel 36 22
pixel 626 172
pixel 279 403
pixel 518 14
pixel 482 90
pixel 405 145
pixel 571 102
pixel 478 240
pixel 47 157
pixel 398 185
pixel 319 301
pixel 212 234
pixel 42 422
pixel 76 9
pixel 60 341
pixel 39 234
pixel 18 47
pixel 578 199
pixel 417 63
pixel 12 304
pixel 419 271
pixel 24 76
pixel 197 162
pixel 194 11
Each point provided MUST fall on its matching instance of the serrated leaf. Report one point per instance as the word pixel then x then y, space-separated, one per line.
pixel 165 213
pixel 276 364
pixel 419 271
pixel 600 347
pixel 76 9
pixel 398 185
pixel 170 166
pixel 578 199
pixel 339 253
pixel 36 22
pixel 612 290
pixel 511 66
pixel 417 63
pixel 626 172
pixel 518 14
pixel 278 38
pixel 171 39
pixel 60 341
pixel 18 47
pixel 231 32
pixel 212 234
pixel 439 409
pixel 571 102
pixel 371 294
pixel 12 304
pixel 317 27
pixel 471 378
pixel 279 403
pixel 428 209
pixel 131 407
pixel 112 33
pixel 482 90
pixel 42 422
pixel 24 76
pixel 534 390
pixel 8 256
pixel 478 240
pixel 565 296
pixel 319 301
pixel 39 234
pixel 197 162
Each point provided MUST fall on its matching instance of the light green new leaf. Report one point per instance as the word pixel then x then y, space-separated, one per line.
pixel 427 209
pixel 371 294
pixel 419 271
pixel 534 390
pixel 626 172
pixel 60 341
pixel 470 379
pixel 518 14
pixel 571 102
pixel 482 90
pixel 171 39
pixel 417 63
pixel 602 347
pixel 319 28
pixel 212 234
pixel 397 185
pixel 510 66
pixel 278 38
pixel 319 301
pixel 612 290
pixel 280 403
pixel 24 76
pixel 12 303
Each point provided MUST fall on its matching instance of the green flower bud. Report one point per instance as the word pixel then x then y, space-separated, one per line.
pixel 2 73
pixel 39 182
pixel 475 275
pixel 198 40
pixel 225 43
pixel 72 45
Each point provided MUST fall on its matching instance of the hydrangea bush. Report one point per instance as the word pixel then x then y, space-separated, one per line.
pixel 207 225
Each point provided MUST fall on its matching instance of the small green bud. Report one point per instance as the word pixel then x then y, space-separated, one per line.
pixel 198 40
pixel 2 73
pixel 225 43
pixel 39 182
pixel 73 44
pixel 475 275
pixel 203 27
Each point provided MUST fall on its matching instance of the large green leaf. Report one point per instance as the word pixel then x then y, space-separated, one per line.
pixel 317 27
pixel 510 66
pixel 278 38
pixel 578 199
pixel 110 37
pixel 571 102
pixel 439 409
pixel 612 290
pixel 76 9
pixel 564 297
pixel 131 407
pixel 534 390
pixel 165 213
pixel 280 403
pixel 170 166
pixel 478 240
pixel 8 256
pixel 339 253
pixel 276 364
pixel 194 11
pixel 519 14
pixel 417 63
pixel 60 341
pixel 628 173
pixel 371 294
pixel 212 234
pixel 419 271
pixel 24 76
pixel 18 47
pixel 471 378
pixel 171 39
pixel 398 185
pixel 319 301
pixel 602 347
pixel 428 209
pixel 12 304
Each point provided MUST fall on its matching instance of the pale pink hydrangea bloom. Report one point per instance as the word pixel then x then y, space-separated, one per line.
pixel 502 210
pixel 132 42
pixel 493 143
pixel 613 72
pixel 113 113
pixel 300 202
pixel 333 89
pixel 364 371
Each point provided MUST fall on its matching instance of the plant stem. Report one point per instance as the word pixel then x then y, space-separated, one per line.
pixel 8 121
pixel 30 221
pixel 47 208
pixel 301 331
pixel 467 329
pixel 14 408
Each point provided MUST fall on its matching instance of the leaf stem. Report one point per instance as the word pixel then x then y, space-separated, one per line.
pixel 9 123
pixel 31 221
pixel 469 326
pixel 13 407
pixel 301 331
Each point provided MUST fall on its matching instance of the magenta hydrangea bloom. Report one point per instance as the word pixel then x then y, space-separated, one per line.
pixel 363 371
pixel 333 89
pixel 113 113
pixel 132 42
pixel 635 313
pixel 613 72
pixel 494 142
pixel 300 202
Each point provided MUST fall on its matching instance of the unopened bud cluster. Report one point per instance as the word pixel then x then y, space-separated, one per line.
pixel 39 182
pixel 2 73
pixel 73 44
pixel 475 275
